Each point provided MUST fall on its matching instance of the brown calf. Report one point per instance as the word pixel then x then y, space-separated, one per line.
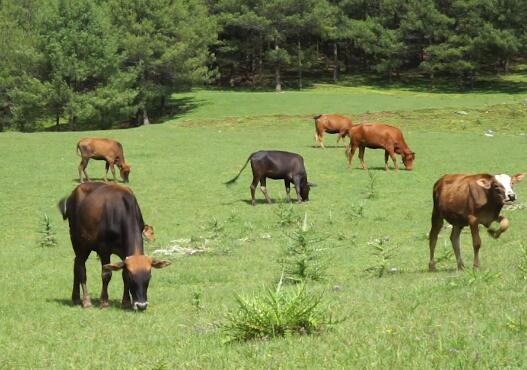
pixel 332 124
pixel 106 218
pixel 380 136
pixel 108 150
pixel 470 200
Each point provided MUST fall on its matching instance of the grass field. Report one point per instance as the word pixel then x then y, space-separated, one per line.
pixel 409 318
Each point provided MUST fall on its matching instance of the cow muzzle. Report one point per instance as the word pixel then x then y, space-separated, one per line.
pixel 140 306
pixel 511 197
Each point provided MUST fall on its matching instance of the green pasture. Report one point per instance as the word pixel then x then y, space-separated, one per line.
pixel 407 319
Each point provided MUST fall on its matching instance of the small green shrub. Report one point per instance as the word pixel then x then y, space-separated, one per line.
pixel 383 250
pixel 303 259
pixel 47 233
pixel 286 214
pixel 277 313
pixel 371 189
pixel 522 265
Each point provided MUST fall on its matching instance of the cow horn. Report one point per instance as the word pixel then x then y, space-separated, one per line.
pixel 312 184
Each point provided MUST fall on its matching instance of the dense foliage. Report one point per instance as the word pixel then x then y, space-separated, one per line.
pixel 95 63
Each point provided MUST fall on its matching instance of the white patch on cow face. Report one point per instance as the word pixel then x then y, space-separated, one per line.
pixel 505 180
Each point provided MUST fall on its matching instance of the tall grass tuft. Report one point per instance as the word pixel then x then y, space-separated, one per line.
pixel 277 313
pixel 286 214
pixel 303 259
pixel 47 233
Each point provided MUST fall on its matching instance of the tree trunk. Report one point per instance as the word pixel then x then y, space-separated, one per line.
pixel 506 65
pixel 299 65
pixel 278 86
pixel 72 123
pixel 146 121
pixel 162 104
pixel 336 61
pixel 57 122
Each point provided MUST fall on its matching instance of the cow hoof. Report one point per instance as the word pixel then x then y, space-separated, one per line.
pixel 126 305
pixel 105 304
pixel 432 268
pixel 76 301
pixel 86 303
pixel 495 234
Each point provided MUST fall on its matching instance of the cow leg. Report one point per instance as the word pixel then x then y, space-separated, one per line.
pixel 112 167
pixel 319 137
pixel 287 184
pixel 394 159
pixel 80 278
pixel 253 190
pixel 127 301
pixel 386 156
pixel 263 188
pixel 454 238
pixel 362 148
pixel 351 154
pixel 106 171
pixel 82 170
pixel 437 224
pixel 106 276
pixel 476 241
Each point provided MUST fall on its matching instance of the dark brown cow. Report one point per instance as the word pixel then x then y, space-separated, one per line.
pixel 106 218
pixel 470 200
pixel 148 231
pixel 110 151
pixel 380 136
pixel 332 124
pixel 277 165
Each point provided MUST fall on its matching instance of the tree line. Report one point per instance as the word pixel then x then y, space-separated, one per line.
pixel 92 63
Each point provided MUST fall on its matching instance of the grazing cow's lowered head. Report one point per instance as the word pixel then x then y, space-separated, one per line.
pixel 305 186
pixel 124 170
pixel 408 160
pixel 136 274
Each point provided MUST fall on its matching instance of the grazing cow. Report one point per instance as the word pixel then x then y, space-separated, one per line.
pixel 106 218
pixel 332 124
pixel 277 165
pixel 470 200
pixel 108 150
pixel 379 136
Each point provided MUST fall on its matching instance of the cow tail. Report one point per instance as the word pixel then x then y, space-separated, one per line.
pixel 78 150
pixel 63 208
pixel 233 180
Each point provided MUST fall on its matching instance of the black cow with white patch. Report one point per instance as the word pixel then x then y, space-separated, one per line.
pixel 277 165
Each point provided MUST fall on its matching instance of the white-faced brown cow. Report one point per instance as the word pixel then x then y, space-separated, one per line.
pixel 106 218
pixel 470 200
pixel 109 150
pixel 332 124
pixel 380 136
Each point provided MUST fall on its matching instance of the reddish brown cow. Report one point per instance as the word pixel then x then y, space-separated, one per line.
pixel 470 200
pixel 332 124
pixel 106 218
pixel 110 151
pixel 380 136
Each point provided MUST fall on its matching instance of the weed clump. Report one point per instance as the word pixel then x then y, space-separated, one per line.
pixel 303 259
pixel 383 250
pixel 47 233
pixel 277 313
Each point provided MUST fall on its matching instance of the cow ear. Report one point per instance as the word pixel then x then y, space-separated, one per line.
pixel 484 183
pixel 113 266
pixel 159 264
pixel 517 178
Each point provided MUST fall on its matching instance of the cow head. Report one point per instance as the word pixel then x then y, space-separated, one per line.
pixel 501 186
pixel 304 189
pixel 408 160
pixel 136 275
pixel 125 171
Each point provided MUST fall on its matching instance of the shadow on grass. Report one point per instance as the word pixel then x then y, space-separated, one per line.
pixel 100 179
pixel 96 303
pixel 173 109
